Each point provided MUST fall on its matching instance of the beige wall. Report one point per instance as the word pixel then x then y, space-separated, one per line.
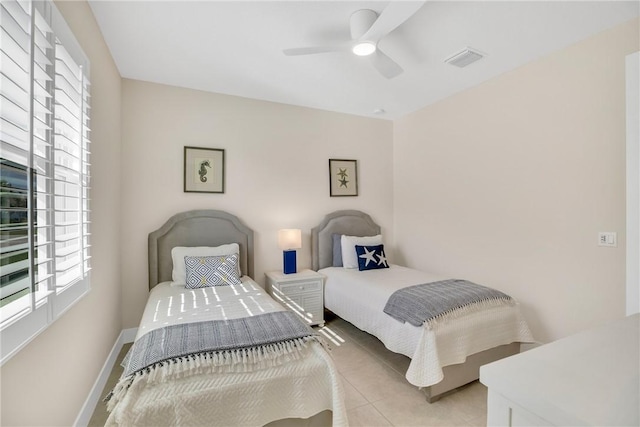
pixel 276 171
pixel 509 183
pixel 48 381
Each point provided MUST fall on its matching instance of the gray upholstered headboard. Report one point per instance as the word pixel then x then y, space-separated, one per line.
pixel 197 228
pixel 350 222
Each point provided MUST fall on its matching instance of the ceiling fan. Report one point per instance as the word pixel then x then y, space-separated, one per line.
pixel 367 29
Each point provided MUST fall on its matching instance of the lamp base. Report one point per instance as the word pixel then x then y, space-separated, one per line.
pixel 289 258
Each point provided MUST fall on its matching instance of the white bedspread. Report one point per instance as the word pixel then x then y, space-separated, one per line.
pixel 297 389
pixel 360 296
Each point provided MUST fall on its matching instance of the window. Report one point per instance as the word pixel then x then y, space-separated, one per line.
pixel 44 171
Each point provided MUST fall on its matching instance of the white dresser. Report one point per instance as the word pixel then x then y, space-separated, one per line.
pixel 591 379
pixel 301 292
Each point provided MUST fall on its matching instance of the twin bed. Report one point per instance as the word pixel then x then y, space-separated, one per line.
pixel 446 353
pixel 229 354
pixel 253 373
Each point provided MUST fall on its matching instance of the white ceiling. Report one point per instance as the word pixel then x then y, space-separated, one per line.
pixel 235 47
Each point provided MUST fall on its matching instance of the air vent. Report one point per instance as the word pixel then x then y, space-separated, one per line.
pixel 464 57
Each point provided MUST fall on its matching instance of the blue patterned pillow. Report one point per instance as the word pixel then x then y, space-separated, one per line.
pixel 205 271
pixel 371 257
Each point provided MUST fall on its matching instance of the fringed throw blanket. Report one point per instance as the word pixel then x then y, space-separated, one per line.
pixel 233 345
pixel 431 301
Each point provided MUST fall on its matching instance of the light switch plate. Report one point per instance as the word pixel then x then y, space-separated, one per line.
pixel 608 238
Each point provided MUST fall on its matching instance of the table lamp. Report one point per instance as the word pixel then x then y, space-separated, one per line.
pixel 289 240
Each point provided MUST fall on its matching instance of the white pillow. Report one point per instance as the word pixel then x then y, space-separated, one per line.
pixel 179 273
pixel 348 244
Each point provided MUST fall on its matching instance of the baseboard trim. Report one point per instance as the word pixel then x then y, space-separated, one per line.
pixel 126 336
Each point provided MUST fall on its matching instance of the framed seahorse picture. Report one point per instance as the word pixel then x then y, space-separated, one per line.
pixel 343 177
pixel 203 170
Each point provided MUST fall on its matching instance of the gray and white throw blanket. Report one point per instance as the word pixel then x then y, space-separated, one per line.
pixel 232 345
pixel 426 303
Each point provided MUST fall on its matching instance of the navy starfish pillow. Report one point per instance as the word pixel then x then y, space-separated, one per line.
pixel 371 257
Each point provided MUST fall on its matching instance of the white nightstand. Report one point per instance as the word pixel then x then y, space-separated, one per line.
pixel 301 292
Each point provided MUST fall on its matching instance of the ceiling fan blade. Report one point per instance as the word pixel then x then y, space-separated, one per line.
pixel 394 15
pixel 311 50
pixel 385 65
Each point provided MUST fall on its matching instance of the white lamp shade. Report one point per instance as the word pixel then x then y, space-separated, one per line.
pixel 290 238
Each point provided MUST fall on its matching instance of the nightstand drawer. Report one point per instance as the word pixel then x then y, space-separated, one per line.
pixel 309 307
pixel 291 288
pixel 302 293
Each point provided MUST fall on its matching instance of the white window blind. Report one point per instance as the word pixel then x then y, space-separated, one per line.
pixel 45 138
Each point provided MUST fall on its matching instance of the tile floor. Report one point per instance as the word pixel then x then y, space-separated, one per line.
pixel 376 392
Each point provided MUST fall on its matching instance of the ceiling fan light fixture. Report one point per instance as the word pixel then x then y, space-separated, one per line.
pixel 364 48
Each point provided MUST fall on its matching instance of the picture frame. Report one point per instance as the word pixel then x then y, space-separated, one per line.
pixel 203 170
pixel 343 177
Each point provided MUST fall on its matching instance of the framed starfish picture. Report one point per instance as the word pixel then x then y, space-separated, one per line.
pixel 343 177
pixel 203 170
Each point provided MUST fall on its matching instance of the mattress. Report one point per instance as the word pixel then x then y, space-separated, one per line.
pixel 297 389
pixel 360 296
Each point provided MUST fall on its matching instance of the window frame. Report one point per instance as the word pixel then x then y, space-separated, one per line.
pixel 24 318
